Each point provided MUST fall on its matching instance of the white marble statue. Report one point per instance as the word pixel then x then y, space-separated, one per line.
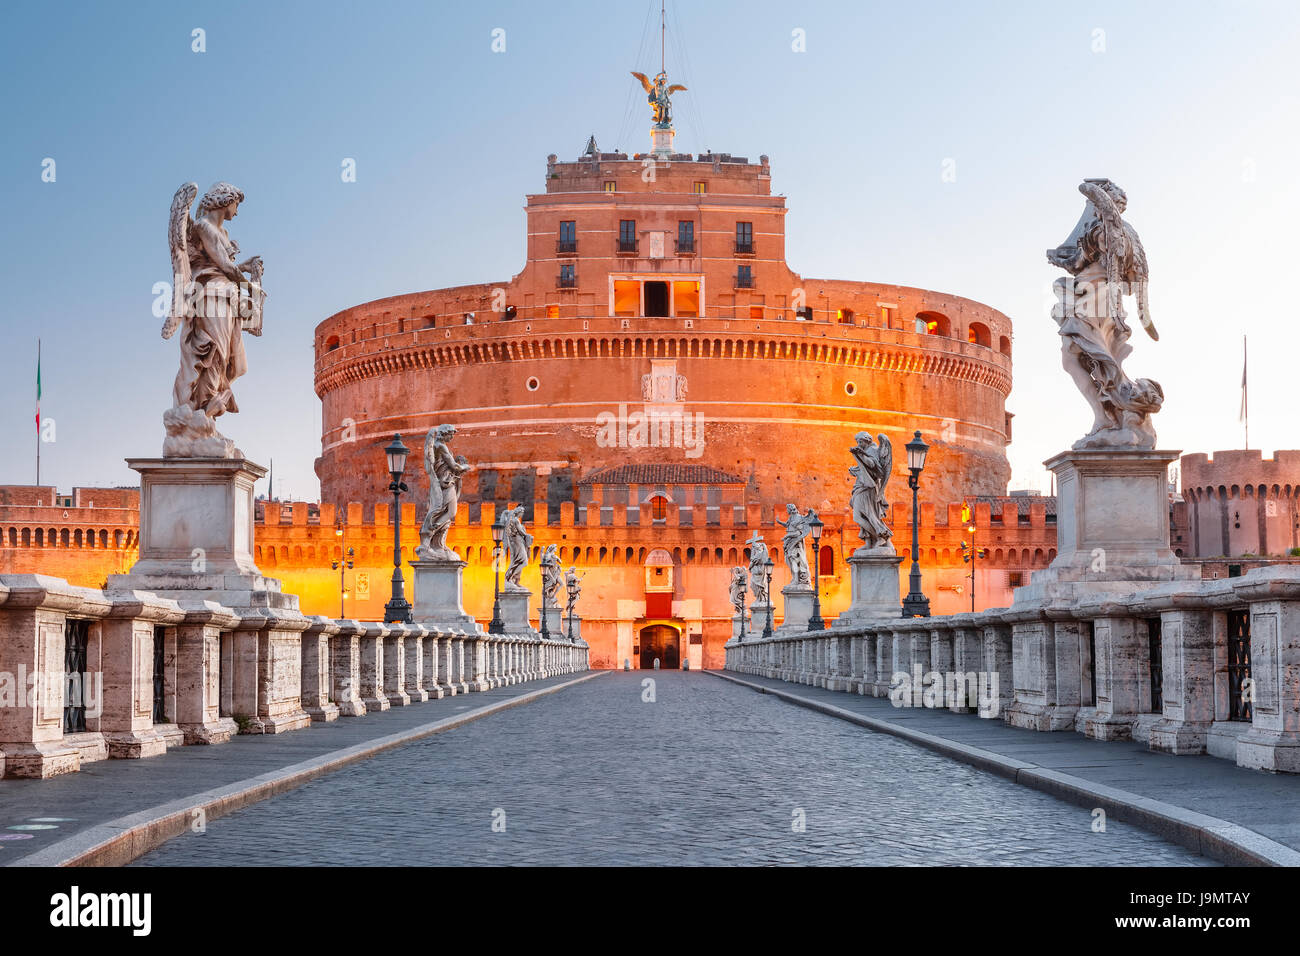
pixel 445 473
pixel 875 461
pixel 1106 260
pixel 739 583
pixel 215 299
pixel 757 568
pixel 796 560
pixel 573 588
pixel 551 576
pixel 518 544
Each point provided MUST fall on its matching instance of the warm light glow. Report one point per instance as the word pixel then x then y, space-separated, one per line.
pixel 552 311
pixel 627 297
pixel 686 298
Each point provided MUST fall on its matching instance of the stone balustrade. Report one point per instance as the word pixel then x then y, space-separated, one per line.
pixel 1186 667
pixel 88 674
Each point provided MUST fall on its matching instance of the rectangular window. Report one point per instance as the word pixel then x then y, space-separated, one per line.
pixel 686 298
pixel 609 185
pixel 744 237
pixel 567 278
pixel 552 311
pixel 627 297
pixel 699 189
pixel 1239 703
pixel 568 241
pixel 756 313
pixel 744 277
pixel 685 238
pixel 627 235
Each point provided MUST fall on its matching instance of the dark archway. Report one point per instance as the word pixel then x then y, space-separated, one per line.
pixel 663 642
pixel 656 298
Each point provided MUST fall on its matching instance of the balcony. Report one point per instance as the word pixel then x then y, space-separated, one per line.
pixel 566 282
pixel 627 247
pixel 744 281
pixel 686 247
pixel 566 247
pixel 744 248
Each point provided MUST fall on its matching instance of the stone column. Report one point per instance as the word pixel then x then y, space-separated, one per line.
pixel 432 664
pixel 372 666
pixel 1273 742
pixel 997 663
pixel 458 661
pixel 1045 658
pixel 346 669
pixel 476 662
pixel 968 663
pixel 1118 666
pixel 200 693
pixel 447 669
pixel 1187 681
pixel 941 661
pixel 394 661
pixel 32 635
pixel 414 669
pixel 126 698
pixel 316 660
pixel 885 641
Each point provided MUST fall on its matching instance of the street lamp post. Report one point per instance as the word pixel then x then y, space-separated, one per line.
pixel 915 604
pixel 815 623
pixel 343 565
pixel 741 639
pixel 571 588
pixel 768 565
pixel 398 609
pixel 498 626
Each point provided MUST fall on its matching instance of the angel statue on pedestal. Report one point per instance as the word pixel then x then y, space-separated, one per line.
pixel 757 568
pixel 518 543
pixel 1106 260
pixel 445 473
pixel 215 299
pixel 739 583
pixel 875 461
pixel 551 576
pixel 796 561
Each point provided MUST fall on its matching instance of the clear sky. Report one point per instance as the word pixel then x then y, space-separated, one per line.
pixel 1191 107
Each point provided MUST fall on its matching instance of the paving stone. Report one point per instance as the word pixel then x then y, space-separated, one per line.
pixel 710 774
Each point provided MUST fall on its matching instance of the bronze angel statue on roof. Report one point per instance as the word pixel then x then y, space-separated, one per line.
pixel 1106 261
pixel 658 95
pixel 215 299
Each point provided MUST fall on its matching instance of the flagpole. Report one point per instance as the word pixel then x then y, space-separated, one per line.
pixel 38 411
pixel 1245 405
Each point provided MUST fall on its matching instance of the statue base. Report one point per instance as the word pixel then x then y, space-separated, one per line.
pixel 874 586
pixel 438 590
pixel 192 433
pixel 554 624
pixel 661 142
pixel 196 533
pixel 739 620
pixel 515 611
pixel 1112 526
pixel 798 607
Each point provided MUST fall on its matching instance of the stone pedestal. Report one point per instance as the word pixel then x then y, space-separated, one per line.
pixel 196 547
pixel 798 608
pixel 554 624
pixel 438 594
pixel 576 633
pixel 515 611
pixel 316 662
pixel 476 663
pixel 758 618
pixel 1112 527
pixel 661 142
pixel 1187 683
pixel 1273 742
pixel 873 585
pixel 737 621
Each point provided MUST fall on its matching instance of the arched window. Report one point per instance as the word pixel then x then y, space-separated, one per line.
pixel 331 343
pixel 1004 345
pixel 826 560
pixel 978 334
pixel 659 508
pixel 934 323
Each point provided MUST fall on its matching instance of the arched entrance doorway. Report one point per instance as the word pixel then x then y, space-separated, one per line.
pixel 662 641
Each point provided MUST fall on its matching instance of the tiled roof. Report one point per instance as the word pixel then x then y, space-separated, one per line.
pixel 661 474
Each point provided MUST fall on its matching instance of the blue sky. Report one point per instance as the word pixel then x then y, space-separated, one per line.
pixel 1191 107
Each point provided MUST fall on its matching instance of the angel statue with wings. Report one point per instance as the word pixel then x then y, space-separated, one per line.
pixel 739 583
pixel 758 568
pixel 796 561
pixel 573 588
pixel 875 461
pixel 658 95
pixel 551 576
pixel 215 298
pixel 1106 260
pixel 519 544
pixel 445 473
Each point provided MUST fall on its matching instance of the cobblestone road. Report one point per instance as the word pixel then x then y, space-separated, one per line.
pixel 709 773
